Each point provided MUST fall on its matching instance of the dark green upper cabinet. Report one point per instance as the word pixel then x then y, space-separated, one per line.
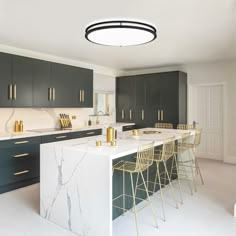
pixel 157 97
pixel 5 80
pixel 27 82
pixel 125 99
pixel 22 82
pixel 72 86
pixel 41 83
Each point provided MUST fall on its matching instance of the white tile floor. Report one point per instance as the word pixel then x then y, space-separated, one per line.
pixel 208 212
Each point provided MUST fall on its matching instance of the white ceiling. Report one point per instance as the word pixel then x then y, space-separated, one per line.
pixel 188 30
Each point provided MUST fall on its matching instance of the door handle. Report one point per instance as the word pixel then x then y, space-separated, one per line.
pixel 142 114
pixel 14 92
pixel 20 142
pixel 21 172
pixel 22 155
pixel 90 133
pixel 10 92
pixel 130 114
pixel 122 114
pixel 59 137
pixel 80 95
pixel 162 115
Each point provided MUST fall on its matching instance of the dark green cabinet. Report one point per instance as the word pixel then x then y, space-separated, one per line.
pixel 125 100
pixel 41 83
pixel 19 163
pixel 5 80
pixel 159 97
pixel 27 82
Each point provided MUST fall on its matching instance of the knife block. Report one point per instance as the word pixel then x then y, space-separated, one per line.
pixel 65 123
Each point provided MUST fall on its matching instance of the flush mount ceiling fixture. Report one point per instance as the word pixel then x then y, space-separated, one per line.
pixel 120 33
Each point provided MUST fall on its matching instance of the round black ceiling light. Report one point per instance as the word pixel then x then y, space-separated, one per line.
pixel 120 33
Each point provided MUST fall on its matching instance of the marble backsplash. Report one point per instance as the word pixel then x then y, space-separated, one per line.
pixel 39 118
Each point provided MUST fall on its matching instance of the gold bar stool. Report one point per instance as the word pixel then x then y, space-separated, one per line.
pixel 145 156
pixel 181 173
pixel 164 125
pixel 162 156
pixel 193 163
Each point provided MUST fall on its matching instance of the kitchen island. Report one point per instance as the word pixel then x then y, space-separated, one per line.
pixel 76 183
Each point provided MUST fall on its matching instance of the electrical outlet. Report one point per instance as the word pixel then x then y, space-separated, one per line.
pixel 73 117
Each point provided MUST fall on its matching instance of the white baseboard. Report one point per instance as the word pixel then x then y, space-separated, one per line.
pixel 230 159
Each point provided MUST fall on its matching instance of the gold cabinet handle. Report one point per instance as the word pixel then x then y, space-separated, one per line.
pixel 162 115
pixel 80 95
pixel 14 92
pixel 21 172
pixel 158 115
pixel 53 94
pixel 122 114
pixel 22 155
pixel 142 114
pixel 89 133
pixel 83 95
pixel 49 94
pixel 21 142
pixel 10 92
pixel 130 114
pixel 59 137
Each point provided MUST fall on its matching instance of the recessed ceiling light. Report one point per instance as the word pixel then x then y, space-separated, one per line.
pixel 120 33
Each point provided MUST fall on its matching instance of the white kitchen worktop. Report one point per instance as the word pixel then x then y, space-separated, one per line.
pixel 25 134
pixel 76 179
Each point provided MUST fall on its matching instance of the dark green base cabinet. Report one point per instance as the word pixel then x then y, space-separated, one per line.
pixel 19 163
pixel 118 184
pixel 20 158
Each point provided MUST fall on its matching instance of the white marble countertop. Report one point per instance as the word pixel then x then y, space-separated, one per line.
pixel 125 144
pixel 25 134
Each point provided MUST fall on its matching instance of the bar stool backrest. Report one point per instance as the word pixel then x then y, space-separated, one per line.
pixel 164 125
pixel 197 137
pixel 145 156
pixel 185 126
pixel 183 143
pixel 168 149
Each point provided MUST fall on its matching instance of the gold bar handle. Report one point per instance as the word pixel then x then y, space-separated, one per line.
pixel 22 155
pixel 83 95
pixel 21 172
pixel 49 94
pixel 158 115
pixel 130 114
pixel 59 137
pixel 21 142
pixel 80 95
pixel 122 114
pixel 53 94
pixel 162 115
pixel 142 114
pixel 14 92
pixel 10 92
pixel 89 133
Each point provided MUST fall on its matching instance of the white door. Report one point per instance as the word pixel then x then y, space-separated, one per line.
pixel 207 110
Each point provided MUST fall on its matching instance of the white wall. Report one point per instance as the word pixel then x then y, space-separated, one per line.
pixel 198 73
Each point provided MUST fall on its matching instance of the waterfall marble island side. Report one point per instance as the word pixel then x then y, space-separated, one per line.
pixel 76 180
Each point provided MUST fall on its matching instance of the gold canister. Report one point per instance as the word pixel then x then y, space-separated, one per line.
pixel 113 143
pixel 135 132
pixel 110 134
pixel 21 126
pixel 16 126
pixel 98 143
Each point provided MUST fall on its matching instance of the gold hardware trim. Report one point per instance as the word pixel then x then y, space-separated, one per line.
pixel 14 92
pixel 90 133
pixel 53 94
pixel 22 155
pixel 142 114
pixel 21 172
pixel 80 95
pixel 58 137
pixel 21 142
pixel 162 115
pixel 158 115
pixel 83 95
pixel 10 92
pixel 122 114
pixel 130 114
pixel 49 94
